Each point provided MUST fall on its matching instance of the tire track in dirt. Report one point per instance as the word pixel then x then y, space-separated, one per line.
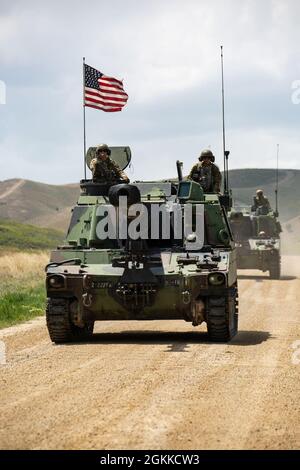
pixel 159 385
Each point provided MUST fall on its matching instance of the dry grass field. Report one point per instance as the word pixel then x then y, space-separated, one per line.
pixel 22 267
pixel 22 293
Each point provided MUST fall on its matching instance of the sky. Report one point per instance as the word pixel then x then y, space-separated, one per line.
pixel 167 53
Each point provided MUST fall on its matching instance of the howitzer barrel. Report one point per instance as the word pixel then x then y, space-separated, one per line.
pixel 179 170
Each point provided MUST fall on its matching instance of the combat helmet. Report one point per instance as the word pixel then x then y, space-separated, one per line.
pixel 206 153
pixel 259 192
pixel 103 147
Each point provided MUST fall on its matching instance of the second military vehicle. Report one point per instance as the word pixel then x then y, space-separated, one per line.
pixel 257 236
pixel 182 264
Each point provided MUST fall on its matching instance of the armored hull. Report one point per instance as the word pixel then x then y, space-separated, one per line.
pixel 190 276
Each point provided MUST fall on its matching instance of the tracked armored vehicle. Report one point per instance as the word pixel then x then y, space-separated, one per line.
pixel 257 237
pixel 182 264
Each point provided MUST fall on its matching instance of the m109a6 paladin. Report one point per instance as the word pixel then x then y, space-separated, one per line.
pixel 143 251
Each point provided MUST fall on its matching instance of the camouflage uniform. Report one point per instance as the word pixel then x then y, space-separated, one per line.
pixel 107 171
pixel 261 201
pixel 209 176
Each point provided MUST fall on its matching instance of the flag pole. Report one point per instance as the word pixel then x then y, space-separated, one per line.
pixel 84 136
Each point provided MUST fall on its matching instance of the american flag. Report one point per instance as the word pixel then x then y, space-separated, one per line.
pixel 102 92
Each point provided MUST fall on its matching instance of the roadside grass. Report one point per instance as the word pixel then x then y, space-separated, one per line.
pixel 17 236
pixel 22 286
pixel 22 305
pixel 19 270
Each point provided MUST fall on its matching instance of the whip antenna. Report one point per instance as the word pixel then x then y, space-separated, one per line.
pixel 225 152
pixel 276 187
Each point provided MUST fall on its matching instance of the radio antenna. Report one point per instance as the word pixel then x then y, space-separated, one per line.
pixel 225 152
pixel 276 187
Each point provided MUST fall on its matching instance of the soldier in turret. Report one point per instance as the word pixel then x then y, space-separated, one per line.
pixel 207 173
pixel 104 169
pixel 261 201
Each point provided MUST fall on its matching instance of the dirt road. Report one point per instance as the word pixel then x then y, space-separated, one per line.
pixel 160 385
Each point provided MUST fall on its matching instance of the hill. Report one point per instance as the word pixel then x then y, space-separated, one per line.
pixel 47 205
pixel 17 236
pixel 245 182
pixel 39 204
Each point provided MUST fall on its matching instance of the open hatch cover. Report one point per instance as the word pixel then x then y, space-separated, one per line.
pixel 120 155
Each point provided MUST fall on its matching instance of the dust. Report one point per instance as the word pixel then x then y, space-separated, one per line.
pixel 290 265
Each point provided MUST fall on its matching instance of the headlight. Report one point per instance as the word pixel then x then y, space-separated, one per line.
pixel 216 279
pixel 57 281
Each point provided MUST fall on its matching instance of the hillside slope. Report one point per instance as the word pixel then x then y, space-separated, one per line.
pixel 244 183
pixel 17 236
pixel 39 204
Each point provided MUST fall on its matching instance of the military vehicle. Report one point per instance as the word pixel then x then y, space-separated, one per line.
pixel 257 236
pixel 157 276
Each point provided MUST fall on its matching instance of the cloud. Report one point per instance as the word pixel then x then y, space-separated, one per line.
pixel 168 55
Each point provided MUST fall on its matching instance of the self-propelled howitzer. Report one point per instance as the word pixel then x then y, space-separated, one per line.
pixel 257 237
pixel 143 251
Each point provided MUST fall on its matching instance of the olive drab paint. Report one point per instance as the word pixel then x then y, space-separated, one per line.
pixel 143 251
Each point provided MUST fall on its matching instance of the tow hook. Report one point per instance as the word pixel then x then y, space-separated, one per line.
pixel 186 297
pixel 87 300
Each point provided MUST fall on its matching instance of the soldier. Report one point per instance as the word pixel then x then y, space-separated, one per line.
pixel 104 169
pixel 207 173
pixel 260 201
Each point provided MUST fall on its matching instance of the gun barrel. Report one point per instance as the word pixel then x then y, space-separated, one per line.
pixel 179 170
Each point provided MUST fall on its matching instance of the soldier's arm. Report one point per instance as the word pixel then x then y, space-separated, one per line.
pixel 217 179
pixel 93 164
pixel 193 170
pixel 93 167
pixel 120 173
pixel 124 176
pixel 268 205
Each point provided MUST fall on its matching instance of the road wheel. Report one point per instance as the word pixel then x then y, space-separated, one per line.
pixel 275 268
pixel 222 318
pixel 60 327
